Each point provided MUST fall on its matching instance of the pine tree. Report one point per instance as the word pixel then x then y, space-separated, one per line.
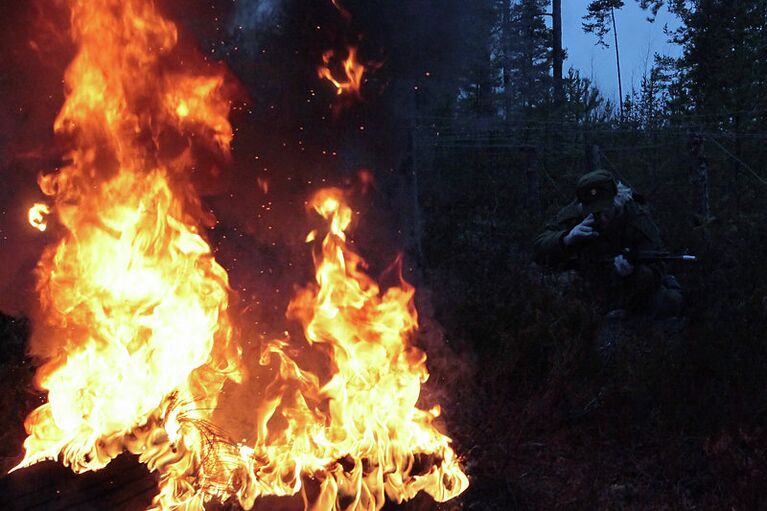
pixel 480 80
pixel 528 55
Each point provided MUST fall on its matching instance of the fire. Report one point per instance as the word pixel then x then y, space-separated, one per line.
pixel 135 326
pixel 353 433
pixel 37 216
pixel 134 306
pixel 358 430
pixel 353 72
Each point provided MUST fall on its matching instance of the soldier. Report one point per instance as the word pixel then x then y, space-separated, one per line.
pixel 596 232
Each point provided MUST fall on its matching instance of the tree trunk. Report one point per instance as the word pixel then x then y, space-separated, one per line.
pixel 591 153
pixel 557 55
pixel 528 55
pixel 506 38
pixel 699 178
pixel 596 158
pixel 618 61
pixel 738 159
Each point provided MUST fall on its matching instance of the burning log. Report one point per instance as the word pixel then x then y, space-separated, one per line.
pixel 125 485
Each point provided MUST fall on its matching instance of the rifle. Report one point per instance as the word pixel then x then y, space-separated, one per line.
pixel 634 257
pixel 652 256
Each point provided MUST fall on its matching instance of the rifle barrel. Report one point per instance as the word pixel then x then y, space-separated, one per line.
pixel 655 257
pixel 652 258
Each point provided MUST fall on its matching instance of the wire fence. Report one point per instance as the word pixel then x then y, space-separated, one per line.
pixel 623 146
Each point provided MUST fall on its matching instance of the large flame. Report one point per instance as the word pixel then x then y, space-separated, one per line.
pixel 134 305
pixel 135 329
pixel 357 431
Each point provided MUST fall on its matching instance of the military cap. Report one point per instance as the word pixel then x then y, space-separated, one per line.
pixel 596 191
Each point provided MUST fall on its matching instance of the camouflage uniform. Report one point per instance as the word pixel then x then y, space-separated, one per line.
pixel 647 288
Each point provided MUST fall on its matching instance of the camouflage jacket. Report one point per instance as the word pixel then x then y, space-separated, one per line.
pixel 632 229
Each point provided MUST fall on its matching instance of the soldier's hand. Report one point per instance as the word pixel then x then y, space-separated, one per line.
pixel 622 266
pixel 581 232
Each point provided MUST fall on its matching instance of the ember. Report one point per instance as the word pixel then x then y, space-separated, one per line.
pixel 346 14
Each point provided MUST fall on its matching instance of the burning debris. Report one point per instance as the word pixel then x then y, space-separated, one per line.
pixel 38 216
pixel 346 74
pixel 135 325
pixel 353 73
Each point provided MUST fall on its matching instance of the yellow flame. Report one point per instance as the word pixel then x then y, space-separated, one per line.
pixel 358 426
pixel 135 328
pixel 135 308
pixel 38 216
pixel 182 110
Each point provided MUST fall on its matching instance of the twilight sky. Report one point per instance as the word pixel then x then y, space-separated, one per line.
pixel 638 41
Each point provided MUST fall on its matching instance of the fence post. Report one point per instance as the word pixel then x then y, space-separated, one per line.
pixel 699 179
pixel 596 158
pixel 591 153
pixel 533 179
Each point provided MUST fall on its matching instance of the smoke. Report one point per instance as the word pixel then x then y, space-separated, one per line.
pixel 251 22
pixel 254 14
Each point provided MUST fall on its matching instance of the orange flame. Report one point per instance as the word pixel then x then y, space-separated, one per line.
pixel 135 328
pixel 353 71
pixel 263 184
pixel 358 430
pixel 138 337
pixel 37 216
pixel 354 432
